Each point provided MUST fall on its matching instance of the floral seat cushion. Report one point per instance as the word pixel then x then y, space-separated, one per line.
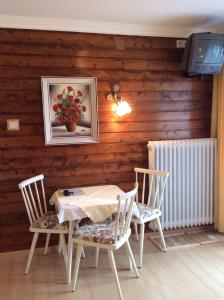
pixel 49 221
pixel 103 233
pixel 145 211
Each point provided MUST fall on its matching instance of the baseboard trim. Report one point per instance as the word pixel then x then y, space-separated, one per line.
pixel 149 234
pixel 25 252
pixel 178 231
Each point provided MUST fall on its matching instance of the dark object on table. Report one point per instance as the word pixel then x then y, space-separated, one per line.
pixel 67 193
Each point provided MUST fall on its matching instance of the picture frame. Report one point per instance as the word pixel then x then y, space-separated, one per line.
pixel 70 110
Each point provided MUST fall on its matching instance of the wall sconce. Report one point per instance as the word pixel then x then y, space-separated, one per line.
pixel 122 107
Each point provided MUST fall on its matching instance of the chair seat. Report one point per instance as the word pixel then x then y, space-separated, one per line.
pixel 49 221
pixel 103 233
pixel 145 212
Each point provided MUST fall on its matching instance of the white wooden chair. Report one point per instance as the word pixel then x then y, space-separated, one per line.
pixel 41 220
pixel 149 206
pixel 109 235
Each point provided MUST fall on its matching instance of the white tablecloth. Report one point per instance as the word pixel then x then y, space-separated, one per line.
pixel 96 202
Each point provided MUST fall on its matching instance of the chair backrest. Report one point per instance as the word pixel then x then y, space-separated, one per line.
pixel 151 193
pixel 34 197
pixel 124 212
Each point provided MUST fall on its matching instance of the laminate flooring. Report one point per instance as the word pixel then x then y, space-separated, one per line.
pixel 190 273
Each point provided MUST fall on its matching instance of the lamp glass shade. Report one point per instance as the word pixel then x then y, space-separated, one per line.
pixel 122 108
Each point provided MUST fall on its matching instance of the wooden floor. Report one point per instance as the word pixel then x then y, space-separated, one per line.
pixel 193 273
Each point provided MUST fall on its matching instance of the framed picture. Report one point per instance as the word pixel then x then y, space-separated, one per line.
pixel 70 110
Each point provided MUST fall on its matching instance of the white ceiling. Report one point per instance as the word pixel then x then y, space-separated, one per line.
pixel 149 17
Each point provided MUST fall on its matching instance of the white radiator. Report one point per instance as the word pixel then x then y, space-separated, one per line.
pixel 189 193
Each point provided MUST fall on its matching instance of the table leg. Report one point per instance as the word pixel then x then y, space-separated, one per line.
pixel 70 250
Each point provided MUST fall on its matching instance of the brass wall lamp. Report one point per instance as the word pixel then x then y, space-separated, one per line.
pixel 122 107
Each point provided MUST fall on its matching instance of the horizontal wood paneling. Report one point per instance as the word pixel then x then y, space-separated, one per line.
pixel 165 105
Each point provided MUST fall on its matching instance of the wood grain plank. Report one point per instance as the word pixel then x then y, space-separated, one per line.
pixel 104 86
pixel 86 62
pixel 145 97
pixel 156 116
pixel 59 161
pixel 38 151
pixel 81 51
pixel 107 106
pixel 159 74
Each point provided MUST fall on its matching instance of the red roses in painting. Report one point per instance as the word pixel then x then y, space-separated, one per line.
pixel 69 109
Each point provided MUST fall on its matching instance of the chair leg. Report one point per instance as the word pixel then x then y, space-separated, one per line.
pixel 129 258
pixel 64 251
pixel 76 268
pixel 34 241
pixel 83 253
pixel 141 244
pixel 76 228
pixel 47 243
pixel 96 256
pixel 114 269
pixel 127 245
pixel 59 245
pixel 161 235
pixel 136 230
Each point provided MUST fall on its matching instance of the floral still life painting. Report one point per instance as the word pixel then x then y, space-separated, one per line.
pixel 70 110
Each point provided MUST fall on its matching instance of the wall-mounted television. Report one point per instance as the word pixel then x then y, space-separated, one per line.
pixel 203 54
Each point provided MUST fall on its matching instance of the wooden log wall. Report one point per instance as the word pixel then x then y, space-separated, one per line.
pixel 165 105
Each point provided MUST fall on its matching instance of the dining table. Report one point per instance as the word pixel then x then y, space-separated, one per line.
pixel 98 203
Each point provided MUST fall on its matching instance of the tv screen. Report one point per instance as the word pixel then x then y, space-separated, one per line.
pixel 204 54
